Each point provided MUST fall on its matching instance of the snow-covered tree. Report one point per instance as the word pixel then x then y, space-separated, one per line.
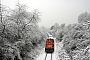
pixel 77 37
pixel 20 32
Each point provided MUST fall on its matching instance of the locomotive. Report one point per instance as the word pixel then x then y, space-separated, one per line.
pixel 49 46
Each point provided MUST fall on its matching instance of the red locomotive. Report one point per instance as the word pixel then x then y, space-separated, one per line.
pixel 49 47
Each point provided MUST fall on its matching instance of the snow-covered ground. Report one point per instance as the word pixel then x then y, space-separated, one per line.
pixel 43 54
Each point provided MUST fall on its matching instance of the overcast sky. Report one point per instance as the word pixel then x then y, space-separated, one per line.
pixel 55 11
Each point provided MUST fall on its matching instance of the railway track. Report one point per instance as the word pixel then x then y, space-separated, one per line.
pixel 46 56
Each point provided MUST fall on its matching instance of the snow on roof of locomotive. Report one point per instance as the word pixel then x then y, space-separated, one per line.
pixel 50 36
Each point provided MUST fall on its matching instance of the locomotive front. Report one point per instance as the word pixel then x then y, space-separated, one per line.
pixel 49 47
